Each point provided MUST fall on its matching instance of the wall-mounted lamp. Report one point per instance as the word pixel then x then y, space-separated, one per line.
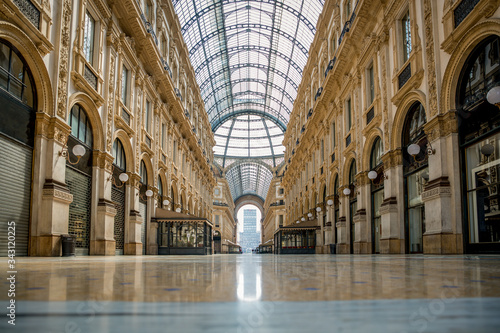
pixel 297 221
pixel 123 177
pixel 373 175
pixel 303 219
pixel 178 209
pixel 147 195
pixel 346 191
pixel 309 214
pixel 329 202
pixel 318 209
pixel 166 202
pixel 493 96
pixel 414 150
pixel 78 150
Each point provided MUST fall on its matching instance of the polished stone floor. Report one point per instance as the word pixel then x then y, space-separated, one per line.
pixel 255 293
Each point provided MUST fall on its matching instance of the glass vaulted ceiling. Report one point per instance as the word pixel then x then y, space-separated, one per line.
pixel 248 58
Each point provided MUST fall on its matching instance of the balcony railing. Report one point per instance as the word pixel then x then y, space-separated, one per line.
pixel 463 10
pixel 404 76
pixel 166 66
pixel 348 140
pixel 330 66
pixel 370 115
pixel 149 28
pixel 90 77
pixel 318 93
pixel 29 10
pixel 126 116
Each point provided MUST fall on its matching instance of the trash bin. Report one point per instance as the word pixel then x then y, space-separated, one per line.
pixel 332 248
pixel 68 245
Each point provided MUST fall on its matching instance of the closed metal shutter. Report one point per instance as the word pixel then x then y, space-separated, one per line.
pixel 80 185
pixel 118 197
pixel 15 193
pixel 143 209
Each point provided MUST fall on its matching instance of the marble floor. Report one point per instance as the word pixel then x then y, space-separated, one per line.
pixel 255 293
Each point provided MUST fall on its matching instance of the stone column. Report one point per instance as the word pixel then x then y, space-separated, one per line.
pixel 361 243
pixel 133 244
pixel 103 240
pixel 441 234
pixel 152 238
pixel 342 244
pixel 392 219
pixel 49 174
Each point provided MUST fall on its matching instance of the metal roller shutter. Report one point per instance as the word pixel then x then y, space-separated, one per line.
pixel 143 210
pixel 118 196
pixel 80 185
pixel 15 193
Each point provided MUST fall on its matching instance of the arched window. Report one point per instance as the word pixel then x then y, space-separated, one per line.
pixel 376 154
pixel 15 76
pixel 172 204
pixel 416 175
pixel 80 125
pixel 143 172
pixel 119 155
pixel 413 132
pixel 160 192
pixel 352 172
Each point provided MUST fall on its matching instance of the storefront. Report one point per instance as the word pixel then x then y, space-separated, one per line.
pixel 296 239
pixel 479 135
pixel 182 234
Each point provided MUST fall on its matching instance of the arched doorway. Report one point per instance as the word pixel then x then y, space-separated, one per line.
pixel 336 208
pixel 377 193
pixel 79 179
pixel 17 132
pixel 118 195
pixel 416 175
pixel 143 203
pixel 479 138
pixel 353 204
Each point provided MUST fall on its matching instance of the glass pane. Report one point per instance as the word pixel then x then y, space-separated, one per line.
pixel 415 185
pixel 15 87
pixel 82 128
pixel 4 77
pixel 16 67
pixel 74 121
pixel 88 38
pixel 416 218
pixel 483 187
pixel 4 56
pixel 28 91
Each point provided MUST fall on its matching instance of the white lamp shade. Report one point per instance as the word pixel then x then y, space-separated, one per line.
pixel 309 214
pixel 297 221
pixel 165 202
pixel 318 209
pixel 149 193
pixel 493 95
pixel 347 191
pixel 303 219
pixel 329 202
pixel 178 210
pixel 372 174
pixel 413 149
pixel 123 177
pixel 79 150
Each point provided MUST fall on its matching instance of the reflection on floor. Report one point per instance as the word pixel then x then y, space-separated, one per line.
pixel 256 293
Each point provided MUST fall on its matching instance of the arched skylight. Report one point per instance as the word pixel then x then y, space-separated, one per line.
pixel 248 58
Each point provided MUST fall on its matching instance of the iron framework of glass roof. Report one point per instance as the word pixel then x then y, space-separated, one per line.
pixel 248 57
